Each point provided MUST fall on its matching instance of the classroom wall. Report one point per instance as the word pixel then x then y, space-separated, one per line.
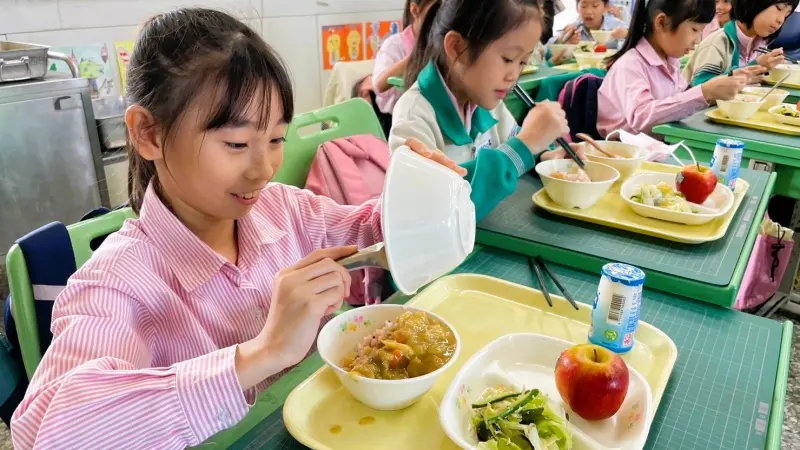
pixel 293 27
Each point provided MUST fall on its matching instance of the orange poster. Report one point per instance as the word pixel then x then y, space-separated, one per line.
pixel 377 32
pixel 342 43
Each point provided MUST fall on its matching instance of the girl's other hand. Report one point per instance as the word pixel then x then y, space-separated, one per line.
pixel 723 87
pixel 771 59
pixel 559 58
pixel 754 74
pixel 619 33
pixel 435 156
pixel 559 153
pixel 615 11
pixel 543 125
pixel 302 295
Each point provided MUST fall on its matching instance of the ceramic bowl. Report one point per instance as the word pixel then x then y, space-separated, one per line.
pixel 428 220
pixel 630 158
pixel 568 49
pixel 601 36
pixel 591 60
pixel 528 360
pixel 719 202
pixel 775 98
pixel 342 335
pixel 573 194
pixel 781 70
pixel 740 108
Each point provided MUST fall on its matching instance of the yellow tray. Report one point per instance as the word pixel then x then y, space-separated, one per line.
pixel 788 85
pixel 612 211
pixel 760 121
pixel 529 70
pixel 571 67
pixel 481 309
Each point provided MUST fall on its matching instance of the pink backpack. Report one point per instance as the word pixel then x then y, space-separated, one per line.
pixel 351 171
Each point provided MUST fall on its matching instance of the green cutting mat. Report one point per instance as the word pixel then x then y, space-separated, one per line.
pixel 710 263
pixel 720 394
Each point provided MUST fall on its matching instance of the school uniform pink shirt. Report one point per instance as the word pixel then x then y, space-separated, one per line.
pixel 748 46
pixel 145 333
pixel 641 91
pixel 392 51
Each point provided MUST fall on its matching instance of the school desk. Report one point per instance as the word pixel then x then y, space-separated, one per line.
pixel 783 151
pixel 710 272
pixel 727 390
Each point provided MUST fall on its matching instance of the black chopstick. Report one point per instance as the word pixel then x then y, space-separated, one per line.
pixel 560 141
pixel 535 268
pixel 764 51
pixel 564 290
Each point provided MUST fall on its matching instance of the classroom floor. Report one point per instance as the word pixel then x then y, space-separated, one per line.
pixel 791 421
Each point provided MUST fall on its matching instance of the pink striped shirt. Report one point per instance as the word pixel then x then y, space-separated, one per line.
pixel 641 91
pixel 392 51
pixel 145 334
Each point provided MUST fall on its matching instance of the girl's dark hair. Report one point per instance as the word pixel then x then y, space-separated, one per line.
pixel 421 4
pixel 479 22
pixel 203 55
pixel 678 11
pixel 548 8
pixel 745 11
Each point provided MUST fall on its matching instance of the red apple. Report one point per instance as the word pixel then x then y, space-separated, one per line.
pixel 696 182
pixel 600 49
pixel 592 380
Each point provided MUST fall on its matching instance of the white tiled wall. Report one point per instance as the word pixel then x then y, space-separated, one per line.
pixel 291 26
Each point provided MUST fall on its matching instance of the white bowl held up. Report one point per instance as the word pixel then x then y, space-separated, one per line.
pixel 573 194
pixel 529 361
pixel 601 36
pixel 345 332
pixel 428 220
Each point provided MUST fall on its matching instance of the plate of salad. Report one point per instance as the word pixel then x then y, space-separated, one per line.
pixel 505 398
pixel 785 113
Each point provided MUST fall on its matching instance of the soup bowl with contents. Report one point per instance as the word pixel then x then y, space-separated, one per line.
pixel 388 356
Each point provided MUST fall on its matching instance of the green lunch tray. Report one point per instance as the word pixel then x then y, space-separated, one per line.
pixel 701 135
pixel 727 390
pixel 709 272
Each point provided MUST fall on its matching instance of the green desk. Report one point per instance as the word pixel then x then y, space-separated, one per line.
pixel 727 390
pixel 710 272
pixel 794 94
pixel 701 135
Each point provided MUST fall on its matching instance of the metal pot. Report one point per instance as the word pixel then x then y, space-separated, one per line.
pixel 19 61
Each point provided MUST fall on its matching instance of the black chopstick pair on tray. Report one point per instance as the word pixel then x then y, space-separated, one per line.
pixel 560 141
pixel 539 269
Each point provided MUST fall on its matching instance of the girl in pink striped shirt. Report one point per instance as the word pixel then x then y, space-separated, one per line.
pixel 644 86
pixel 167 334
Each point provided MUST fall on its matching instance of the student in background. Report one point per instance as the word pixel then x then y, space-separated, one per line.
pixel 392 57
pixel 469 56
pixel 722 17
pixel 181 318
pixel 621 9
pixel 594 15
pixel 757 23
pixel 644 86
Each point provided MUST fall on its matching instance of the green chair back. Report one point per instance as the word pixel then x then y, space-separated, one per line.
pixel 81 235
pixel 349 118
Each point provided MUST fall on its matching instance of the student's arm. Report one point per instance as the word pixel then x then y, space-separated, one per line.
pixel 630 84
pixel 96 387
pixel 705 58
pixel 495 172
pixel 389 62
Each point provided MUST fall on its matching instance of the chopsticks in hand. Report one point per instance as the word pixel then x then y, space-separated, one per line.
pixel 560 141
pixel 764 51
pixel 538 266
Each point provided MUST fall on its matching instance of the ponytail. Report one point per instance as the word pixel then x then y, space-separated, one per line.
pixel 407 19
pixel 635 34
pixel 140 172
pixel 422 50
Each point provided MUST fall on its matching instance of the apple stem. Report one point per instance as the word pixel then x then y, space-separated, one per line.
pixel 595 355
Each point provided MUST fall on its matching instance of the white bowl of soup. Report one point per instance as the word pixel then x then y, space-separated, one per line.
pixel 601 36
pixel 567 186
pixel 629 158
pixel 775 98
pixel 388 356
pixel 781 70
pixel 742 107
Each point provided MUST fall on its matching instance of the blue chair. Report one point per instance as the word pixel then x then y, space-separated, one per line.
pixel 789 39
